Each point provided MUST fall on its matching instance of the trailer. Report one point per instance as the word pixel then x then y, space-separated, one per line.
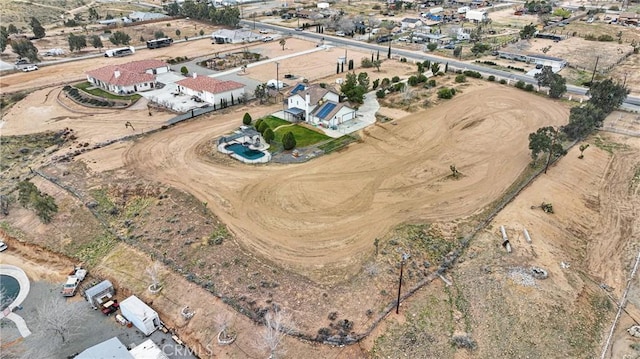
pixel 99 293
pixel 140 315
pixel 477 15
pixel 119 52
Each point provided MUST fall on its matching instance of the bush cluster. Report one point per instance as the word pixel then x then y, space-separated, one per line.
pixel 79 97
pixel 446 93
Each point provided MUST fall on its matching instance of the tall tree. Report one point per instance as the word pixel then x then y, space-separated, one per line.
pixel 261 92
pixel 352 89
pixel 38 30
pixel 583 120
pixel 556 83
pixel 545 140
pixel 77 42
pixel 93 14
pixel 528 31
pixel 607 95
pixel 288 141
pixel 282 43
pixel 4 38
pixel 277 324
pixel 96 42
pixel 24 48
pixel 120 38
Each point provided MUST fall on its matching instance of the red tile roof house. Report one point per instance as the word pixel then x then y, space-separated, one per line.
pixel 211 90
pixel 128 78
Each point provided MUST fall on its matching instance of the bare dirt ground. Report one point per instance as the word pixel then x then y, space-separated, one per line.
pixel 332 203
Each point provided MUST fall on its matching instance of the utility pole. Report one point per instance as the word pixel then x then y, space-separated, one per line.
pixel 405 256
pixel 594 71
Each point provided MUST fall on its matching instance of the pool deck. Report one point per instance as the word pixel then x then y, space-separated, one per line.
pixel 23 281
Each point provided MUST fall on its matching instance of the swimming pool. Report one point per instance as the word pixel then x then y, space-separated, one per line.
pixel 244 151
pixel 10 288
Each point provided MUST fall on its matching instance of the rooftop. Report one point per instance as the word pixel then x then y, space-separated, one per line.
pixel 208 84
pixel 127 74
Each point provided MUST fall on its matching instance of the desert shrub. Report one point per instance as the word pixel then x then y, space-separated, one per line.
pixel 463 342
pixel 381 93
pixel 503 81
pixel 529 88
pixel 474 74
pixel 491 78
pixel 520 84
pixel 403 59
pixel 395 79
pixel 413 81
pixel 446 93
pixel 605 37
pixel 590 37
pixel 398 87
pixel 385 83
pixel 422 78
pixel 461 78
pixel 431 83
pixel 366 63
pixel 375 84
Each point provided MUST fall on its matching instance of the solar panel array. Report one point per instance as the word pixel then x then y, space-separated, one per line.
pixel 296 89
pixel 324 111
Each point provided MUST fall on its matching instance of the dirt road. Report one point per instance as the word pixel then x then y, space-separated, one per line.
pixel 328 211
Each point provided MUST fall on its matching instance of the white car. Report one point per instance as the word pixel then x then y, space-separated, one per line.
pixel 3 246
pixel 264 31
pixel 340 33
pixel 267 39
pixel 30 68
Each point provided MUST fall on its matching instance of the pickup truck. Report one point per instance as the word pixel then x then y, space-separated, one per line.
pixel 73 280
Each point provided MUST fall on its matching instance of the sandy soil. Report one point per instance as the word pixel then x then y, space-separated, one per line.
pixel 345 200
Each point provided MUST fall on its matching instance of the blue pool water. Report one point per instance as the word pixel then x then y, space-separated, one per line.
pixel 245 152
pixel 10 288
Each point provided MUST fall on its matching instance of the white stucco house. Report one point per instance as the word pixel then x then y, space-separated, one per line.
pixel 225 36
pixel 317 106
pixel 129 77
pixel 410 23
pixel 211 90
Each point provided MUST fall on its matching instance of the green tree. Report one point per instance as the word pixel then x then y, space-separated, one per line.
pixel 432 46
pixel 446 93
pixel 288 141
pixel 201 32
pixel 120 38
pixel 43 204
pixel 261 92
pixel 93 14
pixel 258 123
pixel 38 30
pixel 545 140
pixel 528 31
pixel 479 48
pixel 4 38
pixel 159 34
pixel 583 120
pixel 377 64
pixel 564 13
pixel 363 80
pixel 96 42
pixel 435 68
pixel 352 88
pixel 77 42
pixel 557 84
pixel 607 95
pixel 263 127
pixel 420 67
pixel 184 70
pixel 457 52
pixel 269 135
pixel 24 48
pixel 12 29
pixel 282 43
pixel 177 32
pixel 246 119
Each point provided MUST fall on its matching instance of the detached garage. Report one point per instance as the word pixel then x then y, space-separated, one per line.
pixel 140 315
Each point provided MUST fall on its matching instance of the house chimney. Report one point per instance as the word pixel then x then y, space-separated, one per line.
pixel 195 75
pixel 307 103
pixel 116 74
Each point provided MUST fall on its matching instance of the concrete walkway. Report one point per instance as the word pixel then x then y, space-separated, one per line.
pixel 365 117
pixel 23 281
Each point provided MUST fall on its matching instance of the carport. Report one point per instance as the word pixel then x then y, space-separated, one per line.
pixel 294 114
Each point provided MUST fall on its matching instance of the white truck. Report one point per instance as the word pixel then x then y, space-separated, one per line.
pixel 71 285
pixel 464 9
pixel 477 15
pixel 122 51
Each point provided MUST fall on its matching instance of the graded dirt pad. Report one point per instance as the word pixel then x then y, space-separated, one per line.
pixel 325 214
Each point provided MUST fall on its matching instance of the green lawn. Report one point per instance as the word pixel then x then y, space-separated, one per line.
pixel 304 136
pixel 84 86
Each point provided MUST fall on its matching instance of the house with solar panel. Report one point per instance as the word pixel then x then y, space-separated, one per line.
pixel 317 105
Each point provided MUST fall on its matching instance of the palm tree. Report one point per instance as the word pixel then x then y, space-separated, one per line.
pixel 282 43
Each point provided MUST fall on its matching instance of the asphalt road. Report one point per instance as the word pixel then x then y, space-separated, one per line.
pixel 631 102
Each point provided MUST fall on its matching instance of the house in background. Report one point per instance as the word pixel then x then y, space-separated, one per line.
pixel 146 16
pixel 208 89
pixel 225 36
pixel 317 106
pixel 410 24
pixel 114 348
pixel 129 77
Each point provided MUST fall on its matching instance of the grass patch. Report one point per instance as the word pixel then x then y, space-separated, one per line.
pixel 136 207
pixel 93 251
pixel 607 145
pixel 275 122
pixel 635 180
pixel 337 144
pixel 304 136
pixel 86 87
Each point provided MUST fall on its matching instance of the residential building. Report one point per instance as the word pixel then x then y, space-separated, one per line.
pixel 129 77
pixel 146 16
pixel 225 36
pixel 410 23
pixel 317 105
pixel 208 89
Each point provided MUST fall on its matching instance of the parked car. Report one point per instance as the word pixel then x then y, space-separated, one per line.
pixel 340 33
pixel 22 62
pixel 299 29
pixel 3 246
pixel 267 39
pixel 264 31
pixel 30 68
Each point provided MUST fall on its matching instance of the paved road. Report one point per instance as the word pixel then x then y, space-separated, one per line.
pixel 630 103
